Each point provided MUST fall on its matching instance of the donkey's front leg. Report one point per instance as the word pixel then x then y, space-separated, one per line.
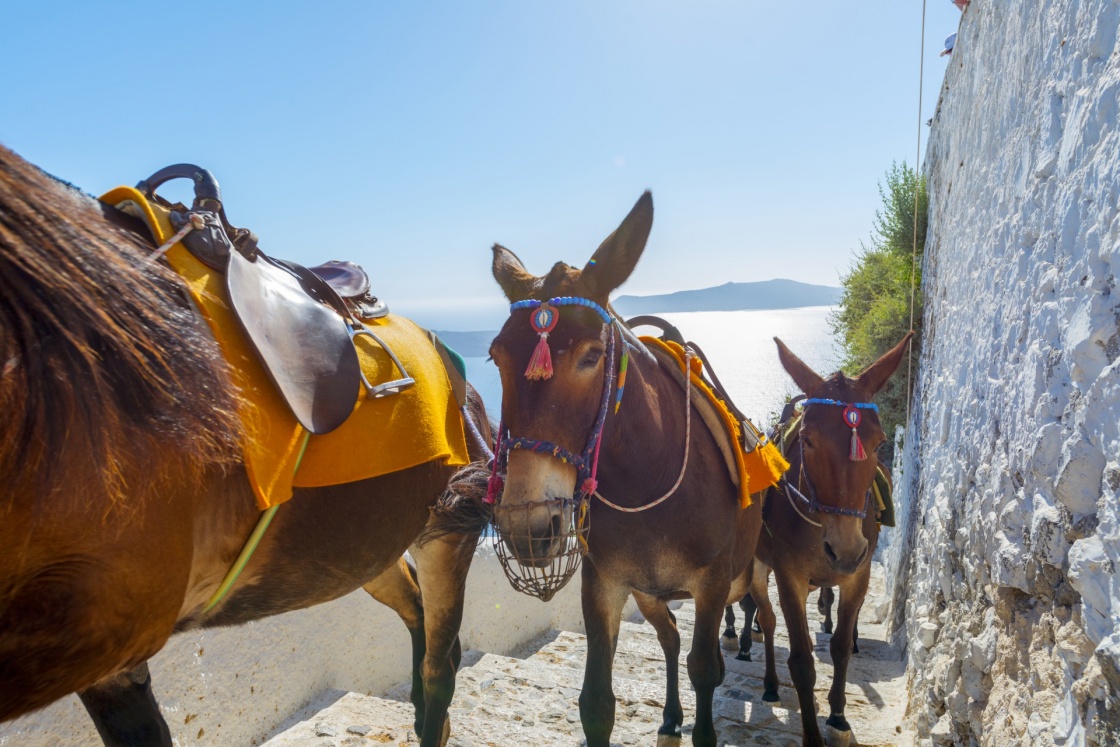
pixel 793 592
pixel 603 600
pixel 852 593
pixel 663 621
pixel 441 566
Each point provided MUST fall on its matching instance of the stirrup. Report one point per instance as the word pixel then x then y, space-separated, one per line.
pixel 395 386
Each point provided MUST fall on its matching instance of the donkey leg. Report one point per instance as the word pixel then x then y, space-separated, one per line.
pixel 852 594
pixel 603 601
pixel 855 636
pixel 125 711
pixel 705 661
pixel 793 593
pixel 746 640
pixel 659 616
pixel 398 590
pixel 442 566
pixel 729 640
pixel 824 606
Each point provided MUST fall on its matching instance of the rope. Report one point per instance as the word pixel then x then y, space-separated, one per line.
pixel 687 443
pixel 914 250
pixel 195 221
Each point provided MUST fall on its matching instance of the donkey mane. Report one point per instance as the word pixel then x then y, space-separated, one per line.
pixel 103 364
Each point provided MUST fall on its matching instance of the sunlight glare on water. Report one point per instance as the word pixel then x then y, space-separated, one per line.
pixel 742 352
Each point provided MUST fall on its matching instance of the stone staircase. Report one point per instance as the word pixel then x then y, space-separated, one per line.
pixel 501 701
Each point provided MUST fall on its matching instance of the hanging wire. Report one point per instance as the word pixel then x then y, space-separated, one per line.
pixel 917 181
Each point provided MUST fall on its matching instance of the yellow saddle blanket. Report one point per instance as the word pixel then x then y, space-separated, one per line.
pixel 418 425
pixel 752 471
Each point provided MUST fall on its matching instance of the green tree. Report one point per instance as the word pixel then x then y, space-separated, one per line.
pixel 874 310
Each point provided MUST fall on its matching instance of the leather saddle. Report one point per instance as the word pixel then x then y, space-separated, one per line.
pixel 300 321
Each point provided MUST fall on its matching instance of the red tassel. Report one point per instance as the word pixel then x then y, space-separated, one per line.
pixel 540 364
pixel 857 453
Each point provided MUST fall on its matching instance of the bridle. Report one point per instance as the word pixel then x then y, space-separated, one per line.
pixel 586 463
pixel 812 503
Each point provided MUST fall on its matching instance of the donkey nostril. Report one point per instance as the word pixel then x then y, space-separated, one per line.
pixel 555 526
pixel 829 552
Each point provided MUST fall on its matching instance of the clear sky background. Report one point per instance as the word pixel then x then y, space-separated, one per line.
pixel 410 136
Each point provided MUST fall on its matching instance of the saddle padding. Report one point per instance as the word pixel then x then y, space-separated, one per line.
pixel 752 471
pixel 304 345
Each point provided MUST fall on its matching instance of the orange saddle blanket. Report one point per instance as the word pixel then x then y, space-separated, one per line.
pixel 388 434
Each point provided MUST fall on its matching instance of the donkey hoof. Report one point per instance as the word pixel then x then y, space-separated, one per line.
pixel 837 731
pixel 771 696
pixel 670 739
pixel 836 738
pixel 744 656
pixel 729 642
pixel 758 637
pixel 855 648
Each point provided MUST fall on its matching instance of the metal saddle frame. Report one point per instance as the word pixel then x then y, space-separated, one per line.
pixel 301 322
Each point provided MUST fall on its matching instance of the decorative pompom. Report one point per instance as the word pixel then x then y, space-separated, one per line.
pixel 540 364
pixel 589 486
pixel 857 453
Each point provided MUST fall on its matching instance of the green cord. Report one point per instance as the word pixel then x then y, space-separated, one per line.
pixel 251 543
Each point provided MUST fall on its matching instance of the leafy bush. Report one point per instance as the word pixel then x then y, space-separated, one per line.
pixel 874 311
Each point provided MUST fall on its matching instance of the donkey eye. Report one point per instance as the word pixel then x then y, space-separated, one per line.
pixel 591 358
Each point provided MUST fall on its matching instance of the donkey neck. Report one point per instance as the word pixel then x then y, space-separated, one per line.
pixel 644 442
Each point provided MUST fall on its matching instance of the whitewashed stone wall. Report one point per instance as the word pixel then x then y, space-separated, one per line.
pixel 1006 587
pixel 238 686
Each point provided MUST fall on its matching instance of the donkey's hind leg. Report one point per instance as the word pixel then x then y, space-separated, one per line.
pixel 767 620
pixel 729 640
pixel 442 564
pixel 750 609
pixel 824 607
pixel 661 618
pixel 125 711
pixel 398 590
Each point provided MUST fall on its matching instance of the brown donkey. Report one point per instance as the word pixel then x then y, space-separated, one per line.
pixel 821 530
pixel 693 541
pixel 124 499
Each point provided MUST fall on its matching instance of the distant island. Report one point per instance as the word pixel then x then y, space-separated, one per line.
pixel 768 294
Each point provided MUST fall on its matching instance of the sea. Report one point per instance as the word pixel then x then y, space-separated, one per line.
pixel 741 349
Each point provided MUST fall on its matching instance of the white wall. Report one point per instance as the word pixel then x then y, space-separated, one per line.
pixel 1011 522
pixel 235 686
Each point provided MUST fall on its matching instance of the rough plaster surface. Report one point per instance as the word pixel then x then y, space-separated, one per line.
pixel 236 686
pixel 1005 570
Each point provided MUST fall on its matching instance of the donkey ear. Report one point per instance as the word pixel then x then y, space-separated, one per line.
pixel 616 257
pixel 516 282
pixel 879 372
pixel 799 371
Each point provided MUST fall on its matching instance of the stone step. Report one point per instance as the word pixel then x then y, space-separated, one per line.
pixel 534 701
pixel 504 701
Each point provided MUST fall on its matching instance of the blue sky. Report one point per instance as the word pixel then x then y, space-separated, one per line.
pixel 410 136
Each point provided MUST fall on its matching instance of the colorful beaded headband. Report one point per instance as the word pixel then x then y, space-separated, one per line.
pixel 543 320
pixel 852 418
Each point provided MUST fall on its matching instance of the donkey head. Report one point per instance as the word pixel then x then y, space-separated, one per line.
pixel 562 408
pixel 837 481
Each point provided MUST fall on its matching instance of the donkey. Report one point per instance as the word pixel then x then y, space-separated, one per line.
pixel 826 539
pixel 125 498
pixel 646 450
